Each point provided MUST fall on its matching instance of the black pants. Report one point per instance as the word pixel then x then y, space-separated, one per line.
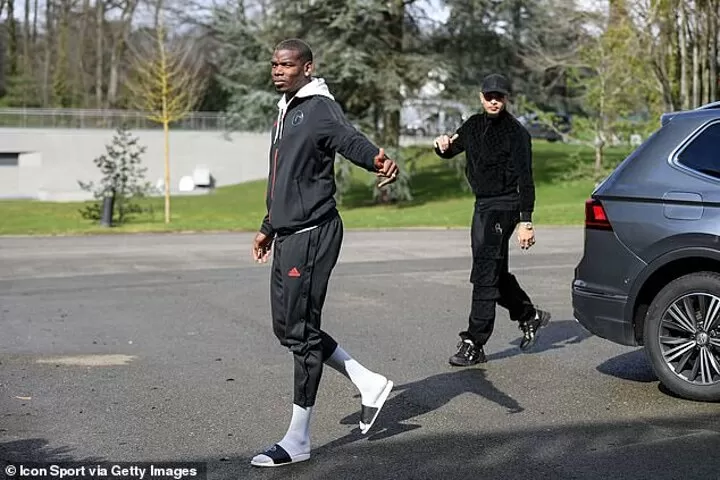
pixel 492 282
pixel 302 264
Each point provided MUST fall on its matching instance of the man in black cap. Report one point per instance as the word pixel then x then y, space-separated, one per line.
pixel 498 151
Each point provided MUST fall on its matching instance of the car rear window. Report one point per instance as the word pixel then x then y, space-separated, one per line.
pixel 702 154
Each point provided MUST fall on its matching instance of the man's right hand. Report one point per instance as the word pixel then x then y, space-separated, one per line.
pixel 386 168
pixel 443 142
pixel 261 247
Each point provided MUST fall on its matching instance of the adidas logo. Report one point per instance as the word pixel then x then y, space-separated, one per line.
pixel 294 272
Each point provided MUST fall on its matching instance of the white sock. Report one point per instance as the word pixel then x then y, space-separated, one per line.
pixel 296 441
pixel 370 384
pixel 297 438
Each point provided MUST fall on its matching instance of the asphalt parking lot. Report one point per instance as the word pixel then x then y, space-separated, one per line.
pixel 159 348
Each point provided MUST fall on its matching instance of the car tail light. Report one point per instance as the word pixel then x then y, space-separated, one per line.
pixel 595 216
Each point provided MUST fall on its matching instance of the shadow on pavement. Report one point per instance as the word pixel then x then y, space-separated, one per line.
pixel 657 448
pixel 626 449
pixel 556 335
pixel 424 396
pixel 633 366
pixel 37 450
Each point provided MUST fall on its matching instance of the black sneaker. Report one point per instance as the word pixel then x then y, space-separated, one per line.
pixel 530 328
pixel 468 354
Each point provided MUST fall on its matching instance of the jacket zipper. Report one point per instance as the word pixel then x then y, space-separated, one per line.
pixel 275 157
pixel 272 189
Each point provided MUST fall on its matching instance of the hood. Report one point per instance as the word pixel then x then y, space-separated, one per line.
pixel 317 86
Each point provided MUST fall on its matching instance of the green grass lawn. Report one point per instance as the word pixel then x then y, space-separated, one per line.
pixel 439 201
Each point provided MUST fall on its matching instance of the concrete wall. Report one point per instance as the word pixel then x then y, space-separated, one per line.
pixel 52 160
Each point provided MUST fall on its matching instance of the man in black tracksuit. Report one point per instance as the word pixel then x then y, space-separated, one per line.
pixel 304 225
pixel 499 169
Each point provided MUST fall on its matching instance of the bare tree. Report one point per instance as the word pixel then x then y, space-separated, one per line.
pixel 165 82
pixel 683 59
pixel 99 34
pixel 120 30
pixel 713 56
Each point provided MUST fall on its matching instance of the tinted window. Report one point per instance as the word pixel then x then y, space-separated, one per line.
pixel 703 154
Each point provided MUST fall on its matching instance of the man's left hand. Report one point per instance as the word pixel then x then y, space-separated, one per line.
pixel 387 168
pixel 526 236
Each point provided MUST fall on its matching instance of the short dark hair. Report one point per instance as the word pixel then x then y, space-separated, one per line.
pixel 296 45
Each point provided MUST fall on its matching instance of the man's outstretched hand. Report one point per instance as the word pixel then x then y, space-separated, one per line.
pixel 261 247
pixel 443 142
pixel 386 168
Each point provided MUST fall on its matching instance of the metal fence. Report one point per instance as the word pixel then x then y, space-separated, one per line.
pixel 80 119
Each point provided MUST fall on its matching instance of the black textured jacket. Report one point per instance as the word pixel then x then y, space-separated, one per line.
pixel 310 129
pixel 499 161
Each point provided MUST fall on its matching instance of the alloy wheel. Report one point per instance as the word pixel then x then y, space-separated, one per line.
pixel 690 338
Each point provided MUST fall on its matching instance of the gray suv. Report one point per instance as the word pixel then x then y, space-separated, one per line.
pixel 650 272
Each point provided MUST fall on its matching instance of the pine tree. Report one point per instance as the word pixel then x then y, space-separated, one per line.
pixel 242 60
pixel 360 50
pixel 123 179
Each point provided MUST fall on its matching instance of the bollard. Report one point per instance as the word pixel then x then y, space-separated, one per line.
pixel 107 211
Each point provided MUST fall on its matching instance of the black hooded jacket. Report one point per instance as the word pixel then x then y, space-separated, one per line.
pixel 499 162
pixel 310 129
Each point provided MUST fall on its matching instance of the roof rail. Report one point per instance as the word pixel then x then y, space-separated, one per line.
pixel 709 106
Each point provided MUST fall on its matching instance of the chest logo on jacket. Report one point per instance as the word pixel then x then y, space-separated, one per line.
pixel 297 118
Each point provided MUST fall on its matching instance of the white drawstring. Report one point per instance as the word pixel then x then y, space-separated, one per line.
pixel 281 120
pixel 278 124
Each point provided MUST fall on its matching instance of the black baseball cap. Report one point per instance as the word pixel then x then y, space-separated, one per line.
pixel 496 83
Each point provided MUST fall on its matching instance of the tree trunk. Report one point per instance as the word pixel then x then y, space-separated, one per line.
pixel 672 55
pixel 599 153
pixel 26 35
pixel 600 125
pixel 26 73
pixel 99 32
pixel 395 29
pixel 704 58
pixel 117 49
pixel 62 85
pixel 49 41
pixel 166 130
pixel 34 24
pixel 390 138
pixel 665 87
pixel 661 54
pixel 12 40
pixel 113 80
pixel 80 55
pixel 696 70
pixel 713 60
pixel 682 42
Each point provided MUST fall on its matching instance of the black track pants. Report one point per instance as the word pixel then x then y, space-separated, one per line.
pixel 302 264
pixel 492 282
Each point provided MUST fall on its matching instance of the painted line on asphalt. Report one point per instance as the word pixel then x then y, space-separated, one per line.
pixel 91 360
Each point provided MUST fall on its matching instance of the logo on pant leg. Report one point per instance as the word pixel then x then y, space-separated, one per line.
pixel 294 272
pixel 498 229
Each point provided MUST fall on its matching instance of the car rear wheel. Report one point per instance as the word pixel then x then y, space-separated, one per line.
pixel 682 336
